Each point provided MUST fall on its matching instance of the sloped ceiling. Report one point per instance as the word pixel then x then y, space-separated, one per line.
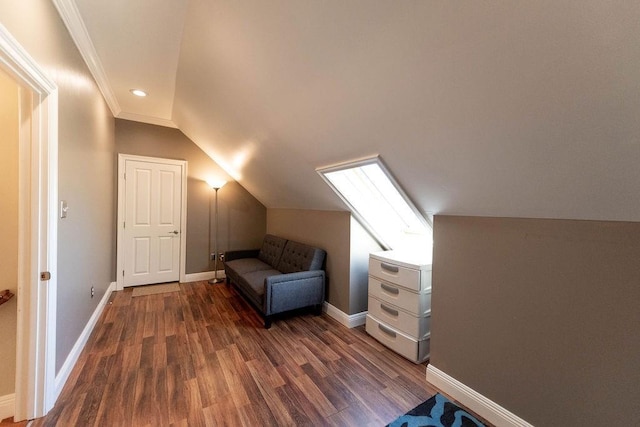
pixel 525 109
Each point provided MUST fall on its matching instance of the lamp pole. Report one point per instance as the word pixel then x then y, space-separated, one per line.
pixel 216 187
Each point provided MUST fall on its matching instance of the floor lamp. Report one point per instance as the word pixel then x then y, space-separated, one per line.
pixel 216 185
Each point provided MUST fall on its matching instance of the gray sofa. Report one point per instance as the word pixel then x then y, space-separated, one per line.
pixel 281 276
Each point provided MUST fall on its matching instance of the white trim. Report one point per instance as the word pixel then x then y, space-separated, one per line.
pixel 7 406
pixel 205 275
pixel 37 230
pixel 72 19
pixel 348 320
pixel 19 63
pixel 122 158
pixel 49 239
pixel 74 354
pixel 147 119
pixel 473 400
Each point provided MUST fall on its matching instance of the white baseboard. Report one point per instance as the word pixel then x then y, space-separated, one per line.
pixel 74 354
pixel 205 275
pixel 7 406
pixel 350 321
pixel 473 400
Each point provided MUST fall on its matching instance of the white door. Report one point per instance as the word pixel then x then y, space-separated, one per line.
pixel 152 222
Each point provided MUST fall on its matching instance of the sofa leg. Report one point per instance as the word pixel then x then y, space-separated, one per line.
pixel 267 322
pixel 317 309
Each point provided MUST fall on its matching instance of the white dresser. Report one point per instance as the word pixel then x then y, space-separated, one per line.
pixel 400 302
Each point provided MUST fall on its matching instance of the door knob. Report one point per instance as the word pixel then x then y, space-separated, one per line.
pixel 174 232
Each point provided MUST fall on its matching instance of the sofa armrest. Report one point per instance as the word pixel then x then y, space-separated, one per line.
pixel 246 253
pixel 284 292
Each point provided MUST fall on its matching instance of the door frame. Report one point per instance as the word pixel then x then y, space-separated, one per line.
pixel 122 158
pixel 35 391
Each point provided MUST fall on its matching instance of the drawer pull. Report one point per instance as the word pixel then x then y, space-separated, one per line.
pixel 389 310
pixel 390 289
pixel 389 267
pixel 386 330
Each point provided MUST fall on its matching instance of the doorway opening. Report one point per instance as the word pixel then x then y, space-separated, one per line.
pixel 37 231
pixel 9 124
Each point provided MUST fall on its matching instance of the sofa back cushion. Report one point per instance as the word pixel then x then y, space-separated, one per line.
pixel 271 250
pixel 300 257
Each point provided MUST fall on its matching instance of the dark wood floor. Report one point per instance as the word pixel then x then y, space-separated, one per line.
pixel 201 357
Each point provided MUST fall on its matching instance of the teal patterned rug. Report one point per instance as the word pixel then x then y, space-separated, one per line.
pixel 437 411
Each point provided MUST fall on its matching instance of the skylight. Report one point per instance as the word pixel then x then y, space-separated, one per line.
pixel 381 206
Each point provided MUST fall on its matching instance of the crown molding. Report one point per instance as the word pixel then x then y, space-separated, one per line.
pixel 18 60
pixel 68 11
pixel 147 119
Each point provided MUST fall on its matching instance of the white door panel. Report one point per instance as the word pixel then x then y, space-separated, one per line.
pixel 153 200
pixel 141 255
pixel 167 252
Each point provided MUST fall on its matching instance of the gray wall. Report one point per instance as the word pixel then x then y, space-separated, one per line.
pixel 242 218
pixel 362 244
pixel 347 246
pixel 8 229
pixel 540 316
pixel 85 137
pixel 328 230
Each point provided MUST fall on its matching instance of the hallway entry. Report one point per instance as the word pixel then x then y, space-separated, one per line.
pixel 9 243
pixel 33 176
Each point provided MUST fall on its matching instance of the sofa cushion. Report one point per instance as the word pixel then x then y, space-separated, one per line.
pixel 247 265
pixel 300 257
pixel 255 280
pixel 271 250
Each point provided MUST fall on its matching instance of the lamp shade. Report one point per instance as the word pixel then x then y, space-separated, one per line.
pixel 216 184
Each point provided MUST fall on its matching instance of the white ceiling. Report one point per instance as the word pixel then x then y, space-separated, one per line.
pixel 130 45
pixel 525 109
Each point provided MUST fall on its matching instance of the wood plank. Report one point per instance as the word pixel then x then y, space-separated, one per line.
pixel 278 411
pixel 234 383
pixel 313 393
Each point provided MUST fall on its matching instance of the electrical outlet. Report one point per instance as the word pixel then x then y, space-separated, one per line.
pixel 221 256
pixel 93 291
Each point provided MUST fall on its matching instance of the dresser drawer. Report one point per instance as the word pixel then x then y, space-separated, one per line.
pixel 415 350
pixel 415 327
pixel 390 272
pixel 418 304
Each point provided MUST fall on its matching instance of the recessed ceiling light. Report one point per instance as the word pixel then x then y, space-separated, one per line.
pixel 138 92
